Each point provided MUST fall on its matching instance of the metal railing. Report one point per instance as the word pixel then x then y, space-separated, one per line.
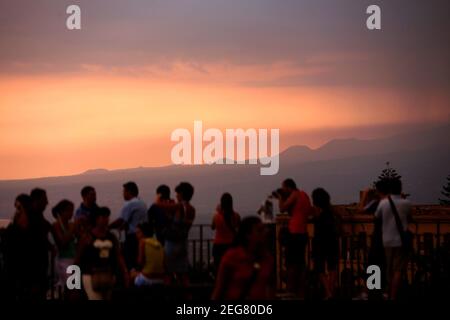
pixel 431 256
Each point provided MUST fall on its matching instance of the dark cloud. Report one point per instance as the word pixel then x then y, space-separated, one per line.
pixel 410 51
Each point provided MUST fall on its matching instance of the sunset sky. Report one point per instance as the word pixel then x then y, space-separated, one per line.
pixel 109 95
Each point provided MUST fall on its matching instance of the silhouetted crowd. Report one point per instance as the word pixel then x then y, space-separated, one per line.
pixel 154 252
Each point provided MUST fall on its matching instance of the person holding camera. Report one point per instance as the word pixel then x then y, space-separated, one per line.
pixel 297 204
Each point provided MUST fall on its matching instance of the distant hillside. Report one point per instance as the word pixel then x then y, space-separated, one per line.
pixel 342 166
pixel 95 171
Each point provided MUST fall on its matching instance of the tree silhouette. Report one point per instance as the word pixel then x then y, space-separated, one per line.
pixel 388 174
pixel 446 193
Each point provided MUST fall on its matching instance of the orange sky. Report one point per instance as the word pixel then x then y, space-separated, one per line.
pixel 61 125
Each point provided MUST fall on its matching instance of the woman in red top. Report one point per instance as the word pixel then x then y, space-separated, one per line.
pixel 225 223
pixel 246 270
pixel 298 205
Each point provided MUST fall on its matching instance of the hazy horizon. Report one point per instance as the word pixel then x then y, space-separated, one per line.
pixel 370 133
pixel 343 168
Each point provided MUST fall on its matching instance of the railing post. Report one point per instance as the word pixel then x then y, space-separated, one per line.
pixel 201 247
pixel 438 243
pixel 194 253
pixel 209 253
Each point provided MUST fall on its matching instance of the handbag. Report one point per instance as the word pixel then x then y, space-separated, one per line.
pixel 405 236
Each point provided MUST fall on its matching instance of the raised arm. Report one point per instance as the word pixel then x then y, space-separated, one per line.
pixel 285 205
pixel 62 239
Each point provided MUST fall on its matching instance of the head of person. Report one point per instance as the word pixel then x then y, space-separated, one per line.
pixel 39 200
pixel 101 217
pixel 226 203
pixel 288 185
pixel 23 208
pixel 63 210
pixel 396 187
pixel 382 187
pixel 251 233
pixel 163 192
pixel 321 198
pixel 184 192
pixel 130 190
pixel 89 196
pixel 144 230
pixel 372 194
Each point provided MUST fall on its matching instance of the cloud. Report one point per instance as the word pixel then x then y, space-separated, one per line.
pixel 137 36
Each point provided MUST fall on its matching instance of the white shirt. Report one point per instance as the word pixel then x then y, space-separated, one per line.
pixel 134 212
pixel 391 236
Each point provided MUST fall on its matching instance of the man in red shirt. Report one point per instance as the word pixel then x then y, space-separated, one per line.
pixel 298 205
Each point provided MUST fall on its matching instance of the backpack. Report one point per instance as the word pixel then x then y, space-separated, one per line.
pixel 177 229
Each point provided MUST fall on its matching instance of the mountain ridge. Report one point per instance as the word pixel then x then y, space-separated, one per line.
pixel 343 167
